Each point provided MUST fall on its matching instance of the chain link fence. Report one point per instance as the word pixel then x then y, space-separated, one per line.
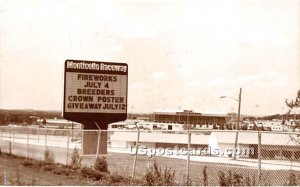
pixel 195 157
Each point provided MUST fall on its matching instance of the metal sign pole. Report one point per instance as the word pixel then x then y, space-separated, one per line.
pixel 98 142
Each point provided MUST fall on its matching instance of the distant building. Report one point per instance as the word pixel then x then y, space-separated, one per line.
pixel 145 117
pixel 232 121
pixel 189 117
pixel 58 123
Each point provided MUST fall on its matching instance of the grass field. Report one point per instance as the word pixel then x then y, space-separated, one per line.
pixel 123 164
pixel 11 167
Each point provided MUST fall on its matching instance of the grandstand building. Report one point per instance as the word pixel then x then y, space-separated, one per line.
pixel 189 117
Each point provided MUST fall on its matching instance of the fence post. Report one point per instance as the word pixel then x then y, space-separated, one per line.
pixel 13 140
pixel 68 147
pixel 259 157
pixel 39 134
pixel 1 137
pixel 136 151
pixel 27 147
pixel 98 143
pixel 236 144
pixel 188 158
pixel 9 147
pixel 46 139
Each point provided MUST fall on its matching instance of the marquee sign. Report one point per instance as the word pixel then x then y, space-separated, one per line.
pixel 95 92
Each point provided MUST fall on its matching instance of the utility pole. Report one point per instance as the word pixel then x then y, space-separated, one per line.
pixel 188 149
pixel 239 110
pixel 238 125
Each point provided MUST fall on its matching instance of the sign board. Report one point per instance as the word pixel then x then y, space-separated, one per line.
pixel 95 92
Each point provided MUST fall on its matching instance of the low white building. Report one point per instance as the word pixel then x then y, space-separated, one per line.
pixel 273 145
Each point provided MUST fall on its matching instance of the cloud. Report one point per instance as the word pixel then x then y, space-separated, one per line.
pixel 180 53
pixel 132 28
pixel 159 75
pixel 116 48
pixel 137 86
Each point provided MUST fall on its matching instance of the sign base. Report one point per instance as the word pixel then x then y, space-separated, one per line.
pixel 90 140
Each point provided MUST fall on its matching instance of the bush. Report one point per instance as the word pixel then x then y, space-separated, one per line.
pixel 75 160
pixel 59 171
pixel 92 174
pixel 118 180
pixel 248 181
pixel 49 167
pixel 222 179
pixel 101 165
pixel 232 179
pixel 235 179
pixel 62 171
pixel 48 156
pixel 28 163
pixel 292 180
pixel 155 177
pixel 115 178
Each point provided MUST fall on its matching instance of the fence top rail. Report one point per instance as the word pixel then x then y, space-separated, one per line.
pixel 204 130
pixel 147 131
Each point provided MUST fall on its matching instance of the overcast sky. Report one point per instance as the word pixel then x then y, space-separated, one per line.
pixel 181 54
